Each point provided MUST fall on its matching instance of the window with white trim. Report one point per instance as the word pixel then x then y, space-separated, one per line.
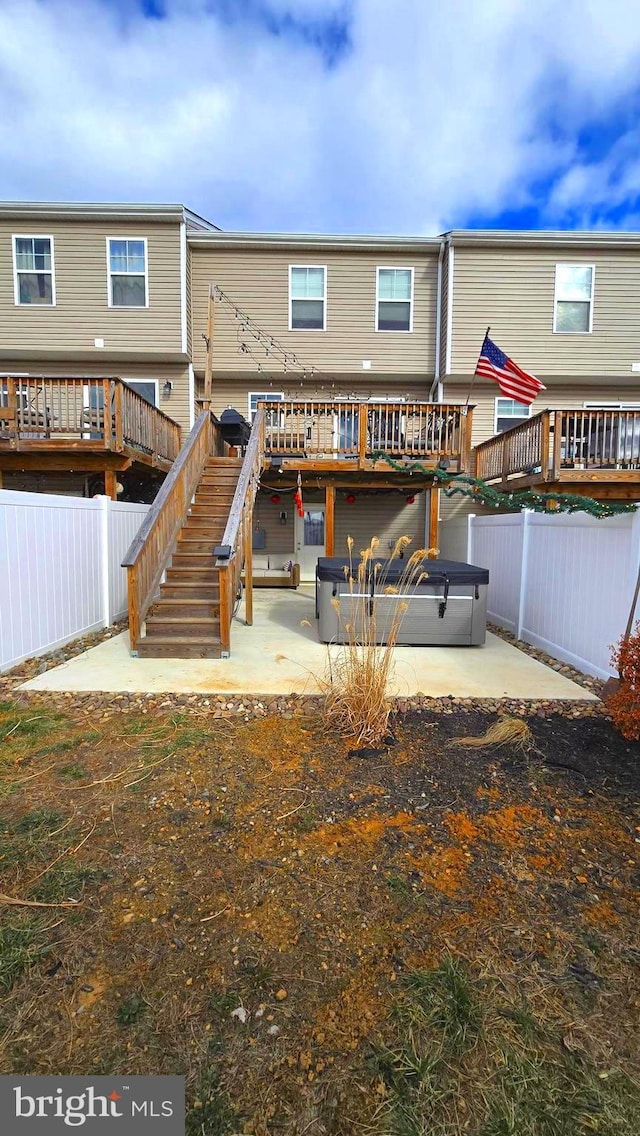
pixel 127 270
pixel 510 413
pixel 307 297
pixel 573 307
pixel 146 388
pixel 254 398
pixel 394 299
pixel 33 268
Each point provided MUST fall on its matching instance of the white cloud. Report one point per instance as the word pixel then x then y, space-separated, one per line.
pixel 435 113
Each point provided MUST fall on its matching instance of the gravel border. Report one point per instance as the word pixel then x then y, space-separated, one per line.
pixel 246 707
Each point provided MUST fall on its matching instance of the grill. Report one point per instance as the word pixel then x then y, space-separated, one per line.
pixel 447 609
pixel 235 429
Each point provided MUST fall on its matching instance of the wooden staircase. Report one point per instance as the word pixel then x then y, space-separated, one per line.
pixel 184 623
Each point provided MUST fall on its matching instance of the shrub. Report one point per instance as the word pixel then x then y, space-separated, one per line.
pixel 624 704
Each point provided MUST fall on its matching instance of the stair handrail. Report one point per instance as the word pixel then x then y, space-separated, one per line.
pixel 154 543
pixel 237 533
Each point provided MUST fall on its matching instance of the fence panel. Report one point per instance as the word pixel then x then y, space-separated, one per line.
pixel 569 590
pixel 60 574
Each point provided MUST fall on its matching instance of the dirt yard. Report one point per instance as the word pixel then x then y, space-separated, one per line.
pixel 428 940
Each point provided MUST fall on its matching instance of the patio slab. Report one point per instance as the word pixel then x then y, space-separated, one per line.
pixel 280 654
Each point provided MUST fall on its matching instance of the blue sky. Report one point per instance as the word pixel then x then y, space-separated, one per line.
pixel 380 116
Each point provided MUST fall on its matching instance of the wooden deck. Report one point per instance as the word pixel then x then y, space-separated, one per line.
pixel 595 453
pixel 347 436
pixel 82 424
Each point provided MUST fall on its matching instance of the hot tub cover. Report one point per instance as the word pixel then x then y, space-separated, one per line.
pixel 456 572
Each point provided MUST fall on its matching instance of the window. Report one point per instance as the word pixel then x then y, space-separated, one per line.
pixel 510 413
pixel 146 388
pixel 256 397
pixel 34 281
pixel 394 299
pixel 127 269
pixel 307 297
pixel 574 298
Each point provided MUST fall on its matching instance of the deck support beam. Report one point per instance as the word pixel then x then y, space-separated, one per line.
pixel 248 567
pixel 434 495
pixel 329 519
pixel 110 484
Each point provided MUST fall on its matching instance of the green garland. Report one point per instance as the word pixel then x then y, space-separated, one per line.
pixel 465 485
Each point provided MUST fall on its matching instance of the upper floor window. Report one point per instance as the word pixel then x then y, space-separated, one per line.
pixel 33 270
pixel 254 397
pixel 127 270
pixel 510 413
pixel 574 298
pixel 394 299
pixel 307 297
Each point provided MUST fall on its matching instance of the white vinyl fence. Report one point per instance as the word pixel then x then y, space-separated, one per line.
pixel 60 574
pixel 564 584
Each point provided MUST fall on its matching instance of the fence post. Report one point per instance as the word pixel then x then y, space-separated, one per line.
pixel 470 519
pixel 524 565
pixel 105 603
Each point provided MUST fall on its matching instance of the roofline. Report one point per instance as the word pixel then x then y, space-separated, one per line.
pixel 226 239
pixel 542 237
pixel 81 210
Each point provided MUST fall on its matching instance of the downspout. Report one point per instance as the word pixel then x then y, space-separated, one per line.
pixel 436 386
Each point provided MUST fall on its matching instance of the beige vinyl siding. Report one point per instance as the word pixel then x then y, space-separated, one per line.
pixel 258 281
pixel 188 300
pixel 385 515
pixel 444 302
pixel 82 313
pixel 512 290
pixel 233 390
pixel 176 406
pixel 280 538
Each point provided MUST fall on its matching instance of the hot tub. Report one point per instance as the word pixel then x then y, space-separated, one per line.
pixel 449 608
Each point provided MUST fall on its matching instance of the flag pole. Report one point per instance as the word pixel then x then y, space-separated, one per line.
pixel 473 377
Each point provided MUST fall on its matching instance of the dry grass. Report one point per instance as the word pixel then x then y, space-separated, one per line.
pixel 506 731
pixel 358 677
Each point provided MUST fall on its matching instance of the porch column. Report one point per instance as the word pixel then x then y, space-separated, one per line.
pixel 110 482
pixel 329 519
pixel 434 495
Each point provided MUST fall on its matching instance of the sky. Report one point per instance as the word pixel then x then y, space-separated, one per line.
pixel 344 116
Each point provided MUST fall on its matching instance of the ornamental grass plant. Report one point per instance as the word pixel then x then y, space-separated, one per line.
pixel 359 670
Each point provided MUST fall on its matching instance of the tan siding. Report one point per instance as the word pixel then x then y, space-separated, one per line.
pixel 386 516
pixel 82 313
pixel 176 406
pixel 188 299
pixel 259 283
pixel 512 290
pixel 444 313
pixel 280 538
pixel 233 391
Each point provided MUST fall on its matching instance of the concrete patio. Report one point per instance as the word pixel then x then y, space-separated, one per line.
pixel 280 654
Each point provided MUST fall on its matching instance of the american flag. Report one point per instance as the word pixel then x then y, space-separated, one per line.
pixel 513 382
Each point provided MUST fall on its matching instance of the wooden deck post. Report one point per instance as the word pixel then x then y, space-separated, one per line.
pixel 208 370
pixel 434 495
pixel 362 435
pixel 329 520
pixel 248 566
pixel 119 425
pixel 110 483
pixel 225 610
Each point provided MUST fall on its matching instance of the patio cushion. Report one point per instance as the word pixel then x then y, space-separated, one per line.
pixel 260 563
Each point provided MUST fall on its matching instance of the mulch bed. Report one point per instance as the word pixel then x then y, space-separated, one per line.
pixel 255 894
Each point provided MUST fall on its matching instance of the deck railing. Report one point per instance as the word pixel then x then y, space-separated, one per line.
pixel 153 546
pixel 236 542
pixel 356 430
pixel 42 411
pixel 557 440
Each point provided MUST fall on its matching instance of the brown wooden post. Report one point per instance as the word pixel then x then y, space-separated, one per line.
pixel 13 422
pixel 134 618
pixel 434 495
pixel 465 447
pixel 362 435
pixel 118 413
pixel 208 370
pixel 558 426
pixel 106 413
pixel 248 566
pixel 110 483
pixel 544 446
pixel 225 610
pixel 329 520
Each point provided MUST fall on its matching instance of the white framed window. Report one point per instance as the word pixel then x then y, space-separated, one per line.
pixel 573 300
pixel 254 397
pixel 394 299
pixel 34 279
pixel 127 272
pixel 148 389
pixel 307 297
pixel 510 413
